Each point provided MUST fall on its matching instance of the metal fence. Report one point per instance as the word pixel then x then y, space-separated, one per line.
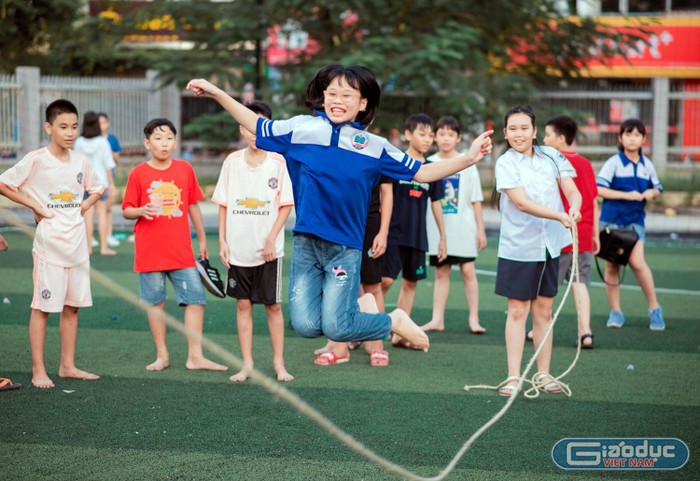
pixel 9 113
pixel 125 101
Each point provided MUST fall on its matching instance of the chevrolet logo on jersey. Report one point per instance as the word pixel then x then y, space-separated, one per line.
pixel 251 203
pixel 64 196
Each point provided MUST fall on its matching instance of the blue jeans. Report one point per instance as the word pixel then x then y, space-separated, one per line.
pixel 324 283
pixel 186 282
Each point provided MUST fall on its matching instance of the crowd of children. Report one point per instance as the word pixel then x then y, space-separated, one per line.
pixel 365 212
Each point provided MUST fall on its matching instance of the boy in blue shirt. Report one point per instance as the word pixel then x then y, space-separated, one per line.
pixel 334 163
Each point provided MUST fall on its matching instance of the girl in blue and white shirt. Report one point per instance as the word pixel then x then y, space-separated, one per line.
pixel 626 182
pixel 533 232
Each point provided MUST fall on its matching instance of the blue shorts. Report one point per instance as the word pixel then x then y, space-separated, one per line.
pixel 527 280
pixel 638 228
pixel 186 282
pixel 103 197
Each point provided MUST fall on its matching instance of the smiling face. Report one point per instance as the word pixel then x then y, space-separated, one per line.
pixel 341 102
pixel 63 130
pixel 520 133
pixel 161 143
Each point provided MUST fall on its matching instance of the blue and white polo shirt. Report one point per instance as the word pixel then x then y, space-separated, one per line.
pixel 620 173
pixel 333 169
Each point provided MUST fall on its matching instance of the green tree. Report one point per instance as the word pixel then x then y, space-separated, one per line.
pixel 470 59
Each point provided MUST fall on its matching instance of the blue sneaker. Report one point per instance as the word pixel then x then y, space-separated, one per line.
pixel 656 319
pixel 616 319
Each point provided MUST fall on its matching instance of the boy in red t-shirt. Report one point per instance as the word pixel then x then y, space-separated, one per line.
pixel 560 133
pixel 160 193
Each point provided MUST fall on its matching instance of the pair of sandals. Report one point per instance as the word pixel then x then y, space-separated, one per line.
pixel 376 359
pixel 542 381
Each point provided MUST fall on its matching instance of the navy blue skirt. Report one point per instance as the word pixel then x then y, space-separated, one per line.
pixel 527 280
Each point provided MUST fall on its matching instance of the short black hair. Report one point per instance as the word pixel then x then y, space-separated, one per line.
pixel 564 125
pixel 630 125
pixel 413 121
pixel 91 125
pixel 450 123
pixel 153 124
pixel 358 77
pixel 58 107
pixel 260 108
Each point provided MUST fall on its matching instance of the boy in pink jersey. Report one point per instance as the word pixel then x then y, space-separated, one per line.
pixel 254 194
pixel 161 195
pixel 51 181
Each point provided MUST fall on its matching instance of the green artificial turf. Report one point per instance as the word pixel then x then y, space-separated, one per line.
pixel 182 425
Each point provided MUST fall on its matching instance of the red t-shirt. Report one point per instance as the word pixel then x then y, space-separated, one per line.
pixel 164 243
pixel 586 183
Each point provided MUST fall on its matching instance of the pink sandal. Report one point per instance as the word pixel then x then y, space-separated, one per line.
pixel 379 358
pixel 330 359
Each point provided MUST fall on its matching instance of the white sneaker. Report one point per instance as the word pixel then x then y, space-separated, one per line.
pixel 132 238
pixel 95 243
pixel 112 242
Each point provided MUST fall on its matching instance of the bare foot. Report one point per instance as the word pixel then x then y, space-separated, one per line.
pixel 158 365
pixel 75 373
pixel 242 375
pixel 477 328
pixel 398 341
pixel 283 375
pixel 42 381
pixel 402 325
pixel 108 252
pixel 433 326
pixel 204 364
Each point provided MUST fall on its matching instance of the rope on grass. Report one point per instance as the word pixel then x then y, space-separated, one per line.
pixel 276 388
pixel 539 381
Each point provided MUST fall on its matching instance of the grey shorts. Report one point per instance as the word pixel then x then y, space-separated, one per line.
pixel 585 260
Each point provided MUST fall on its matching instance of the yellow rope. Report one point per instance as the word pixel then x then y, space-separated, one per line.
pixel 278 389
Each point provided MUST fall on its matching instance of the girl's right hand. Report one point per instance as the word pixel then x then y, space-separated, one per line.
pixel 567 220
pixel 634 195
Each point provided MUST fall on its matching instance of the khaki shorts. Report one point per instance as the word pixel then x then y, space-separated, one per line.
pixel 585 259
pixel 57 286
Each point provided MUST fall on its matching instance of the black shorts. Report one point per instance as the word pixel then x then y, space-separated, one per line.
pixel 371 268
pixel 407 260
pixel 527 280
pixel 450 261
pixel 260 284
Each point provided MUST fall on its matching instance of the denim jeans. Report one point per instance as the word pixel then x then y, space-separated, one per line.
pixel 324 283
pixel 186 282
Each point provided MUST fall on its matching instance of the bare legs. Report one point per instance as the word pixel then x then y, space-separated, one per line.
pixel 194 320
pixel 518 310
pixel 102 208
pixel 37 338
pixel 441 292
pixel 244 324
pixel 642 273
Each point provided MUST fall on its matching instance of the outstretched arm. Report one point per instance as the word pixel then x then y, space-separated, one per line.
pixel 433 171
pixel 520 199
pixel 243 115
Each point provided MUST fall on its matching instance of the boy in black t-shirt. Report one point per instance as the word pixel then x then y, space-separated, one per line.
pixel 408 238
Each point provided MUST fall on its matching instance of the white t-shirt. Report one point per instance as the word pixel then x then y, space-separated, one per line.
pixel 525 237
pixel 59 186
pixel 252 197
pixel 461 190
pixel 99 152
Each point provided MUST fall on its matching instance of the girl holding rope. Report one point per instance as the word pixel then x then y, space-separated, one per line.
pixel 533 232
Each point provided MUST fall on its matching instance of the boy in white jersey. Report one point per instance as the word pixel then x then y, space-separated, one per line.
pixel 51 182
pixel 464 228
pixel 254 194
